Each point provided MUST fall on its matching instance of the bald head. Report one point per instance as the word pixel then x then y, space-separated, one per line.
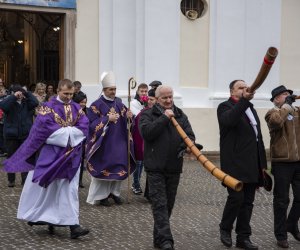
pixel 162 88
pixel 164 95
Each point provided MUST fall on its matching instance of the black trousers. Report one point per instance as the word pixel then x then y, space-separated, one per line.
pixel 12 145
pixel 285 174
pixel 162 193
pixel 239 206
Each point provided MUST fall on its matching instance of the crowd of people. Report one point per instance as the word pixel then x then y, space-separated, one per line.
pixel 50 138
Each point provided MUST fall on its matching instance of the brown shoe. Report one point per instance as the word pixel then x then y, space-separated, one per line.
pixel 283 243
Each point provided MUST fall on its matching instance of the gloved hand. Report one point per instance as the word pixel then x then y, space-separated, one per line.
pixel 290 99
pixel 183 149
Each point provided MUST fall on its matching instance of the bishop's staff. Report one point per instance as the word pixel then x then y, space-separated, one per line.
pixel 131 85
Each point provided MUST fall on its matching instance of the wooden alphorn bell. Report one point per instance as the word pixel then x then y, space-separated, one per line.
pixel 208 165
pixel 269 59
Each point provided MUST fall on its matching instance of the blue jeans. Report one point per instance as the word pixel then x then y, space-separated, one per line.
pixel 137 174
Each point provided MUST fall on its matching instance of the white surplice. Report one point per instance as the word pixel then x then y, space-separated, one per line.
pixel 58 203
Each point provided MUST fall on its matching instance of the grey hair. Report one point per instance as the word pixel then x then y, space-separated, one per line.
pixel 160 88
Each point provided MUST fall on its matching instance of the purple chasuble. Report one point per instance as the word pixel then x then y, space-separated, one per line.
pixel 48 161
pixel 107 143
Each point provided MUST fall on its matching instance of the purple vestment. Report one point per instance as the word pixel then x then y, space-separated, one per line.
pixel 107 143
pixel 52 162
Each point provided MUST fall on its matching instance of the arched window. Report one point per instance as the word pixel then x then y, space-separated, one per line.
pixel 193 9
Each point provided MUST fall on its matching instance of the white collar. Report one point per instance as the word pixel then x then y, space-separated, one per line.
pixel 58 99
pixel 108 98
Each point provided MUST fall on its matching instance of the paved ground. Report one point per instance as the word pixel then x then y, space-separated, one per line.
pixel 195 220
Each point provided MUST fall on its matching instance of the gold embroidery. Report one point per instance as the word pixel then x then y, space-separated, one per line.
pixel 122 173
pixel 93 138
pixel 69 151
pixel 90 167
pixel 99 126
pixel 68 114
pixel 123 111
pixel 59 120
pixel 112 111
pixel 95 110
pixel 105 173
pixel 44 110
pixel 80 113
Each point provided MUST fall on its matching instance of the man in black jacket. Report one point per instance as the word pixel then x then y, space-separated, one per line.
pixel 18 108
pixel 162 160
pixel 242 156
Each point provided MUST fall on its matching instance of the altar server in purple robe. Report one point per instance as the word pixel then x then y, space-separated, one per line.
pixel 107 143
pixel 52 154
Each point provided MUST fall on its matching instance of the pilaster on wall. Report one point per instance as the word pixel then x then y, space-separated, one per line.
pixel 141 39
pixel 69 45
pixel 240 33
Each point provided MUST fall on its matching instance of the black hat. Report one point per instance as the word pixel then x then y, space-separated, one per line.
pixel 79 97
pixel 151 92
pixel 268 183
pixel 17 87
pixel 155 84
pixel 278 90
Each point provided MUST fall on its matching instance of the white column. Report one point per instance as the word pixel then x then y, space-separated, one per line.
pixel 241 32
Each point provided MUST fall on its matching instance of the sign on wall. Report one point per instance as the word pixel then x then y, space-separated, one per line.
pixel 68 4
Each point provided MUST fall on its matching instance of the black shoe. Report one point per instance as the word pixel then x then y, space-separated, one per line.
pixel 11 184
pixel 156 245
pixel 78 231
pixel 137 191
pixel 246 244
pixel 283 243
pixel 116 199
pixel 225 237
pixel 167 245
pixel 51 229
pixel 295 232
pixel 105 202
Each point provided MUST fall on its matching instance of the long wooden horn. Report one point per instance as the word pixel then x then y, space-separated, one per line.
pixel 265 68
pixel 215 171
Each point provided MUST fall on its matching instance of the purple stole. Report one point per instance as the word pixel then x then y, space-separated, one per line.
pixel 48 161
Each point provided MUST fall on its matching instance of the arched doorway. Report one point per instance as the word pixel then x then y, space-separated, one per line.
pixel 31 46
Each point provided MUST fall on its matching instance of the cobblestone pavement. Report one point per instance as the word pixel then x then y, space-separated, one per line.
pixel 198 208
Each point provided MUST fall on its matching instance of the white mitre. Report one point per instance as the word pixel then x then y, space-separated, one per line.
pixel 108 79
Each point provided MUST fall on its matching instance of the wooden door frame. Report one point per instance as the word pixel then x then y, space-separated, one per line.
pixel 67 39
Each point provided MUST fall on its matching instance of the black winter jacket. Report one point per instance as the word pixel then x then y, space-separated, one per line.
pixel 242 156
pixel 162 142
pixel 18 118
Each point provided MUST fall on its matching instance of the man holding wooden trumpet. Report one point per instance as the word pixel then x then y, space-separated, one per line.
pixel 284 124
pixel 163 160
pixel 242 156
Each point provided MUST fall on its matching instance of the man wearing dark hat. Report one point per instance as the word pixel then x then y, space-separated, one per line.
pixel 155 84
pixel 283 121
pixel 242 156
